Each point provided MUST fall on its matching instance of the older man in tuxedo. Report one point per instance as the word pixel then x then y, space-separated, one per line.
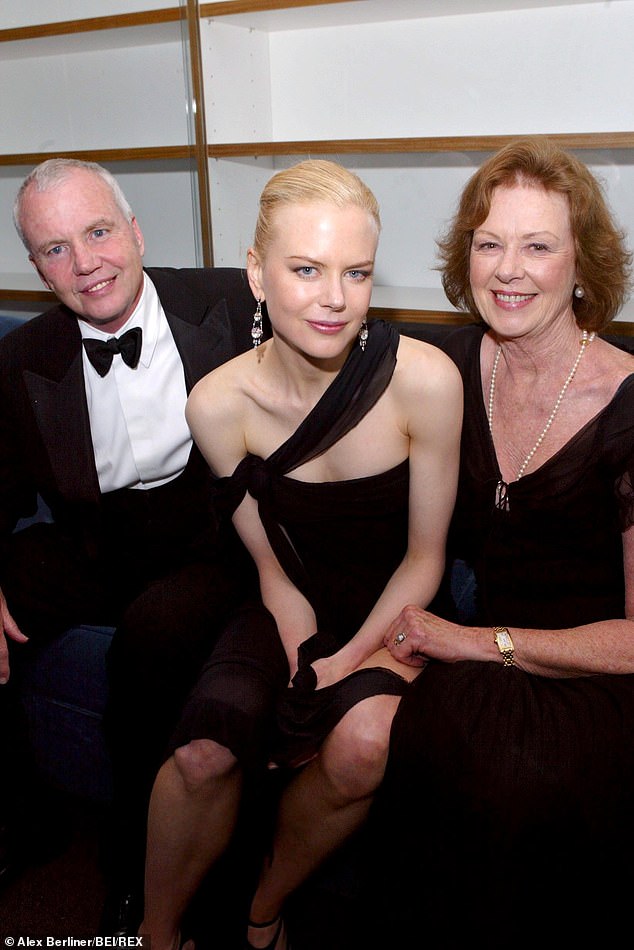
pixel 92 397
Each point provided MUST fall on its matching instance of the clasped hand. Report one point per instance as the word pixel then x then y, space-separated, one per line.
pixel 329 670
pixel 417 636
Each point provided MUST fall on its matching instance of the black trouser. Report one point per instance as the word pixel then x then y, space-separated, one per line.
pixel 169 597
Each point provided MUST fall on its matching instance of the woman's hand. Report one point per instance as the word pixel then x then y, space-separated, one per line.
pixel 417 636
pixel 331 669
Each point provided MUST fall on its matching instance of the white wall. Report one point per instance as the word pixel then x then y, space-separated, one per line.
pixel 315 73
pixel 548 68
pixel 562 69
pixel 14 13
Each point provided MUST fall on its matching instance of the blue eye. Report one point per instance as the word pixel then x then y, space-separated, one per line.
pixel 306 271
pixel 55 251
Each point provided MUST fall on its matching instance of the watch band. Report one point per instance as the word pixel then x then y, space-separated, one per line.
pixel 504 644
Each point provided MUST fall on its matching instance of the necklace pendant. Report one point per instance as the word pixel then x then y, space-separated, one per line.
pixel 502 496
pixel 501 491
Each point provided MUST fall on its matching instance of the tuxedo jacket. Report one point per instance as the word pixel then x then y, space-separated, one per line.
pixel 45 441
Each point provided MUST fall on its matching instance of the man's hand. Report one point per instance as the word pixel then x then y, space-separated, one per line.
pixel 8 628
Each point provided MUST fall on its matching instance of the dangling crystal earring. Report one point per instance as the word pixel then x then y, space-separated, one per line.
pixel 256 329
pixel 363 335
pixel 579 292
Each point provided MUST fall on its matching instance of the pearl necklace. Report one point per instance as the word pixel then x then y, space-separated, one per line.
pixel 502 487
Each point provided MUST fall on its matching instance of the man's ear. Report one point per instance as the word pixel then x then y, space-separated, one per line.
pixel 138 234
pixel 254 273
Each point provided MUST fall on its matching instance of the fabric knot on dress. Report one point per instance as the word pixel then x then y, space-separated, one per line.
pixel 251 475
pixel 258 478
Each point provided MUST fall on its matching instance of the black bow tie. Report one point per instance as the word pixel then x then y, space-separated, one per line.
pixel 100 352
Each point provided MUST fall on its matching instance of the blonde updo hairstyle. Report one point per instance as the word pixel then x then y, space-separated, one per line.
pixel 307 182
pixel 603 261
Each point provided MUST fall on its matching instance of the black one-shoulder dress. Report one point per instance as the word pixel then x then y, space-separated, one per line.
pixel 339 542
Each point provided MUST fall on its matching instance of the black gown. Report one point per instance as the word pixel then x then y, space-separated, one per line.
pixel 520 788
pixel 339 542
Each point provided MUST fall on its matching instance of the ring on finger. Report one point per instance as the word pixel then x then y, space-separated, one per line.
pixel 399 638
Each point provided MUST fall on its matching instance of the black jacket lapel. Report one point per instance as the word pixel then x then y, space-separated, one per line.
pixel 203 347
pixel 62 418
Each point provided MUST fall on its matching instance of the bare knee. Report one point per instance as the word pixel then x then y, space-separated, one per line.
pixel 355 754
pixel 203 762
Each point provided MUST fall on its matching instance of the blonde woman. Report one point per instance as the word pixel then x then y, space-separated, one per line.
pixel 336 447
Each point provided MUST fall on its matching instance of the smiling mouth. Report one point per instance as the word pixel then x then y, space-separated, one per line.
pixel 96 287
pixel 512 298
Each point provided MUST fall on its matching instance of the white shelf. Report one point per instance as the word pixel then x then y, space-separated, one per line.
pixel 160 194
pixel 404 69
pixel 324 72
pixel 357 12
pixel 34 12
pixel 99 91
pixel 417 195
pixel 411 298
pixel 481 73
pixel 91 41
pixel 94 89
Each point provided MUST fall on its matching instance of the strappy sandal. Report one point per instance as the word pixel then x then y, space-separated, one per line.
pixel 276 935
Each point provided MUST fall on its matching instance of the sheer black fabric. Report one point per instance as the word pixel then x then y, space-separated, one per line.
pixel 523 786
pixel 555 558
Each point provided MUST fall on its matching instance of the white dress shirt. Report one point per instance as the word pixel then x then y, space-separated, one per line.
pixel 137 416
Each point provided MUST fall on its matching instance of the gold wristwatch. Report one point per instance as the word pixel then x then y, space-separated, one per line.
pixel 504 645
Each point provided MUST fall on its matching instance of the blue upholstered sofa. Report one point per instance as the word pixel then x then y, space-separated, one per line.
pixel 64 691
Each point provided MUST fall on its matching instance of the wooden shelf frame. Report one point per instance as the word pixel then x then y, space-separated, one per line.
pixel 91 24
pixel 200 151
pixel 259 6
pixel 466 143
pixel 187 14
pixel 149 17
pixel 450 143
pixel 143 154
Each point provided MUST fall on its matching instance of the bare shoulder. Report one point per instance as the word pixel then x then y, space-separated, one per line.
pixel 611 365
pixel 620 358
pixel 222 382
pixel 426 367
pixel 216 406
pixel 427 388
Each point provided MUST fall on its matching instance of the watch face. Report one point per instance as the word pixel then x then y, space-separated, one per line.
pixel 503 640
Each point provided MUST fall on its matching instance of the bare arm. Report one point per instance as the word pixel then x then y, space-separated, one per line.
pixel 215 413
pixel 293 614
pixel 434 416
pixel 606 646
pixel 428 404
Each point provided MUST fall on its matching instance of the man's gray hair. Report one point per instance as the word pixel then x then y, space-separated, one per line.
pixel 56 170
